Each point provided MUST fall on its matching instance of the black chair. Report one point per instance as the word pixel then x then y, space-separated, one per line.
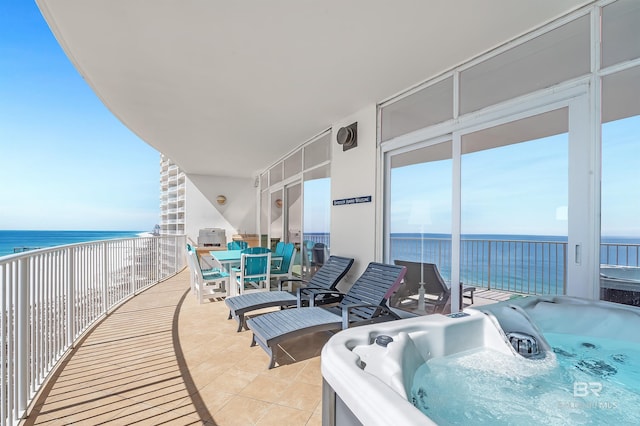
pixel 317 255
pixel 437 292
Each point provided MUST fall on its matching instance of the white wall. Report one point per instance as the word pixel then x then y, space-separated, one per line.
pixel 353 174
pixel 237 215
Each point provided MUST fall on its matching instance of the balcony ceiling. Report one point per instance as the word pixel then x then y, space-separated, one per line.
pixel 228 87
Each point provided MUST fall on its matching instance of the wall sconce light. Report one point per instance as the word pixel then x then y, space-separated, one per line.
pixel 221 199
pixel 348 136
pixel 278 203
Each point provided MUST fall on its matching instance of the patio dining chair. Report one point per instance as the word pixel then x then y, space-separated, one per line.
pixel 284 269
pixel 279 248
pixel 254 273
pixel 237 245
pixel 278 251
pixel 206 272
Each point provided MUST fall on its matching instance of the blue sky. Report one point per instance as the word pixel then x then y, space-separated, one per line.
pixel 520 189
pixel 317 205
pixel 65 161
pixel 514 189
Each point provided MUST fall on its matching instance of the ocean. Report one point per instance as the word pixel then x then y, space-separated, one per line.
pixel 519 263
pixel 10 240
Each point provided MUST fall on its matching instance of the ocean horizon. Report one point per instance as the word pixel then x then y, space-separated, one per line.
pixel 519 263
pixel 10 240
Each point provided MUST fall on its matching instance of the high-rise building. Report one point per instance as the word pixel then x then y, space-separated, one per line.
pixel 172 198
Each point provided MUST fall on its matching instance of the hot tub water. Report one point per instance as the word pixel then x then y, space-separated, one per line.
pixel 588 381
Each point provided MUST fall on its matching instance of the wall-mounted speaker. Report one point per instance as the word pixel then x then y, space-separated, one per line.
pixel 348 136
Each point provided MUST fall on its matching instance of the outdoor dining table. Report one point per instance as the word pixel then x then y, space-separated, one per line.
pixel 230 258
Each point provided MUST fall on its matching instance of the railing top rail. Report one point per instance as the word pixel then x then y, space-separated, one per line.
pixel 35 252
pixel 463 238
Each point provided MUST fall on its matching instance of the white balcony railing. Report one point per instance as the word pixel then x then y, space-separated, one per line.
pixel 523 266
pixel 50 297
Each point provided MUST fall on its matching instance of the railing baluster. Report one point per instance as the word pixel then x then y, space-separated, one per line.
pixel 71 283
pixel 22 343
pixel 49 297
pixel 489 267
pixel 3 353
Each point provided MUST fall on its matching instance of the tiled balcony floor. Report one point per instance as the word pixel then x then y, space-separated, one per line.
pixel 162 358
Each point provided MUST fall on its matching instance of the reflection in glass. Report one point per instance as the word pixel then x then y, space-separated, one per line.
pixel 514 198
pixel 420 192
pixel 275 232
pixel 264 219
pixel 294 221
pixel 317 210
pixel 620 189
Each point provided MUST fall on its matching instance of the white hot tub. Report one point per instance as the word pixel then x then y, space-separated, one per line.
pixel 562 356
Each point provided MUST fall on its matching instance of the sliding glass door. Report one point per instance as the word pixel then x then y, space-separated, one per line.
pixel 620 188
pixel 419 191
pixel 514 204
pixel 316 240
pixel 504 204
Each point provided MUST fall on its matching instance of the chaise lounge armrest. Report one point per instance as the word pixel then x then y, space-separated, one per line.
pixel 287 279
pixel 346 312
pixel 314 292
pixel 467 291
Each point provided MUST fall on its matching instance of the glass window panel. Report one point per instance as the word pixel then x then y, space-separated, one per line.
pixel 293 164
pixel 317 213
pixel 264 181
pixel 294 223
pixel 420 197
pixel 264 218
pixel 514 198
pixel 294 213
pixel 275 231
pixel 620 38
pixel 317 173
pixel 431 105
pixel 275 174
pixel 318 151
pixel 621 95
pixel 544 61
pixel 620 192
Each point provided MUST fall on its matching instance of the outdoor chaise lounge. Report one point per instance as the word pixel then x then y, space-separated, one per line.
pixel 364 303
pixel 326 279
pixel 437 292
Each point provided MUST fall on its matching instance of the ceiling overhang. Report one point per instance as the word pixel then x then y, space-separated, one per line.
pixel 226 88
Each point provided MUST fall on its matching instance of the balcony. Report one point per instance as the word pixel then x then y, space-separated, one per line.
pixel 155 355
pixel 162 357
pixel 100 334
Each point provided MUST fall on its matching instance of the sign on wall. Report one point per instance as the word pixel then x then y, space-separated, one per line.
pixel 354 200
